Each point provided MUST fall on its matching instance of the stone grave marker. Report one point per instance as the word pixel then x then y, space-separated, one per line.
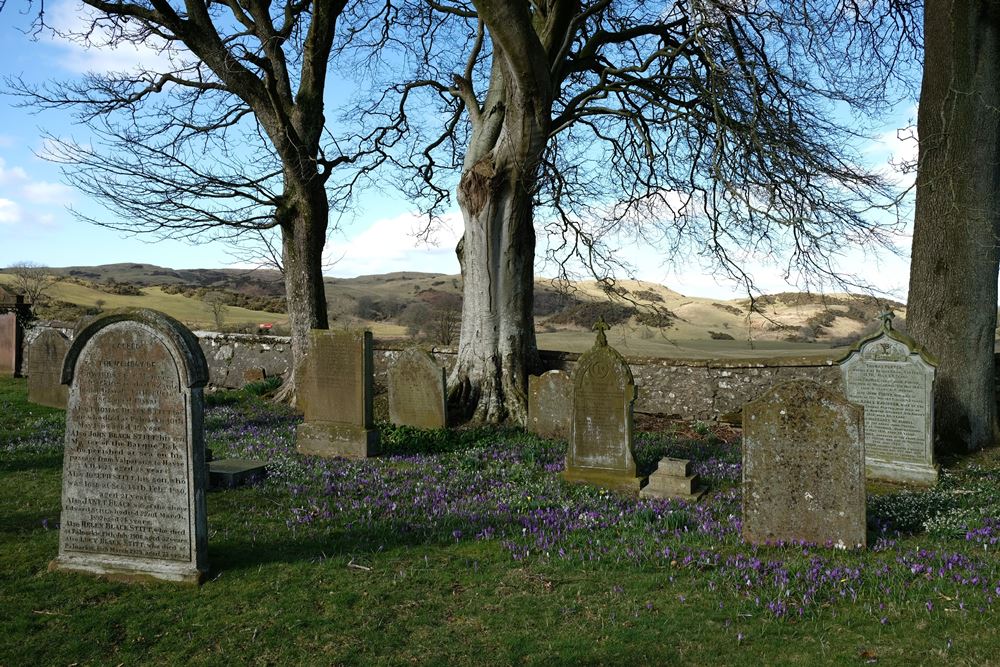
pixel 417 390
pixel 134 473
pixel 600 447
pixel 335 386
pixel 550 405
pixel 13 311
pixel 893 378
pixel 45 364
pixel 803 467
pixel 673 479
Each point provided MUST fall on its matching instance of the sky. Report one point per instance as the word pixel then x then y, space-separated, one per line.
pixel 37 225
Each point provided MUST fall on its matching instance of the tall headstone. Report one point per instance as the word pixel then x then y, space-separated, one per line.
pixel 134 473
pixel 803 467
pixel 417 390
pixel 893 378
pixel 334 388
pixel 45 364
pixel 550 405
pixel 600 448
pixel 13 312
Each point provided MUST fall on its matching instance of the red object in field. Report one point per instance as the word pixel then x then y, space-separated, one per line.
pixel 265 325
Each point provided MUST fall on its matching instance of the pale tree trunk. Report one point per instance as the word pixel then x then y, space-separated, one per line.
pixel 953 271
pixel 497 341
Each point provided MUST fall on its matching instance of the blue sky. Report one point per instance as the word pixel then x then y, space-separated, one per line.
pixel 36 225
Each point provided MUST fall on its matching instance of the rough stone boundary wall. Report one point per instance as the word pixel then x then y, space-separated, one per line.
pixel 706 389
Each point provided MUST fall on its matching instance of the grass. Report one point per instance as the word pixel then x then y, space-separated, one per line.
pixel 464 547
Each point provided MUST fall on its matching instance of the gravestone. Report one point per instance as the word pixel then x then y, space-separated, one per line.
pixel 893 378
pixel 13 312
pixel 600 448
pixel 803 467
pixel 550 405
pixel 133 493
pixel 334 390
pixel 673 479
pixel 417 390
pixel 45 363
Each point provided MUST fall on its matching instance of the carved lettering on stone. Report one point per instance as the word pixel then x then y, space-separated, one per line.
pixel 133 498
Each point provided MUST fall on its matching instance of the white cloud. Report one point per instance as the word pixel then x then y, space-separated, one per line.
pixel 10 212
pixel 12 175
pixel 44 192
pixel 392 244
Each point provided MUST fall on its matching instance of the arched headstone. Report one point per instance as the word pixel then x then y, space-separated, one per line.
pixel 417 390
pixel 133 494
pixel 600 448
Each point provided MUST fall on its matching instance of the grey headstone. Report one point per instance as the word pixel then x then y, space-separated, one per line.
pixel 550 405
pixel 417 390
pixel 600 448
pixel 45 363
pixel 803 467
pixel 133 496
pixel 893 379
pixel 334 389
pixel 11 336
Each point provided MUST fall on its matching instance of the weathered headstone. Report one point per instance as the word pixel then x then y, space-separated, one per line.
pixel 133 496
pixel 600 448
pixel 417 390
pixel 550 405
pixel 334 389
pixel 45 363
pixel 893 378
pixel 803 467
pixel 673 479
pixel 13 312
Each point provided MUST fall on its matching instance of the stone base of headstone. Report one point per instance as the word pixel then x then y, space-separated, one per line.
pixel 128 569
pixel 904 473
pixel 330 439
pixel 231 473
pixel 606 479
pixel 672 479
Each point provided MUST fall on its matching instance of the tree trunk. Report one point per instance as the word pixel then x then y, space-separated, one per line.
pixel 303 237
pixel 953 271
pixel 497 341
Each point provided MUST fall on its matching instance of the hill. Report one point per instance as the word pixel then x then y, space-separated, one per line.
pixel 648 319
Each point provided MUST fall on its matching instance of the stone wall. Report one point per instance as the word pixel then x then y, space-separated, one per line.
pixel 706 389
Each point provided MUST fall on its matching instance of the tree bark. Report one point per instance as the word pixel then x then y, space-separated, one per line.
pixel 953 271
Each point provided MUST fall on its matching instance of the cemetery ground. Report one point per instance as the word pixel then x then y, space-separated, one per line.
pixel 465 547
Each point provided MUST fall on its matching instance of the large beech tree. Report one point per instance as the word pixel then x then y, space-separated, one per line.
pixel 222 134
pixel 702 127
pixel 953 272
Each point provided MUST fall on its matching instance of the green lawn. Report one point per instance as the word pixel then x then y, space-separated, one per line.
pixel 465 548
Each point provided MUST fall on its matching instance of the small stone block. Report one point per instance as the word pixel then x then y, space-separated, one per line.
pixel 674 467
pixel 673 486
pixel 622 483
pixel 231 473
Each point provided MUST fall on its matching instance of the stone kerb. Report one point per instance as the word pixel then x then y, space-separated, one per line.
pixel 550 404
pixel 417 390
pixel 803 467
pixel 600 448
pixel 134 472
pixel 893 378
pixel 45 365
pixel 334 388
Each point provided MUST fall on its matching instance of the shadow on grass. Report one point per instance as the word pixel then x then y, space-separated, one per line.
pixel 22 522
pixel 33 461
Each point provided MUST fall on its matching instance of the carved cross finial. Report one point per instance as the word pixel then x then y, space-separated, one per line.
pixel 600 326
pixel 886 317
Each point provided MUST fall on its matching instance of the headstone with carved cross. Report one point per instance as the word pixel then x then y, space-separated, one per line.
pixel 600 449
pixel 893 378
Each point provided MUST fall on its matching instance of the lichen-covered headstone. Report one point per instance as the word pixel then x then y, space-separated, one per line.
pixel 134 473
pixel 550 405
pixel 600 448
pixel 417 390
pixel 893 378
pixel 334 388
pixel 45 363
pixel 12 314
pixel 803 467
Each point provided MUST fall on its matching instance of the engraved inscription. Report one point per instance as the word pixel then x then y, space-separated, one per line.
pixel 600 427
pixel 893 394
pixel 126 486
